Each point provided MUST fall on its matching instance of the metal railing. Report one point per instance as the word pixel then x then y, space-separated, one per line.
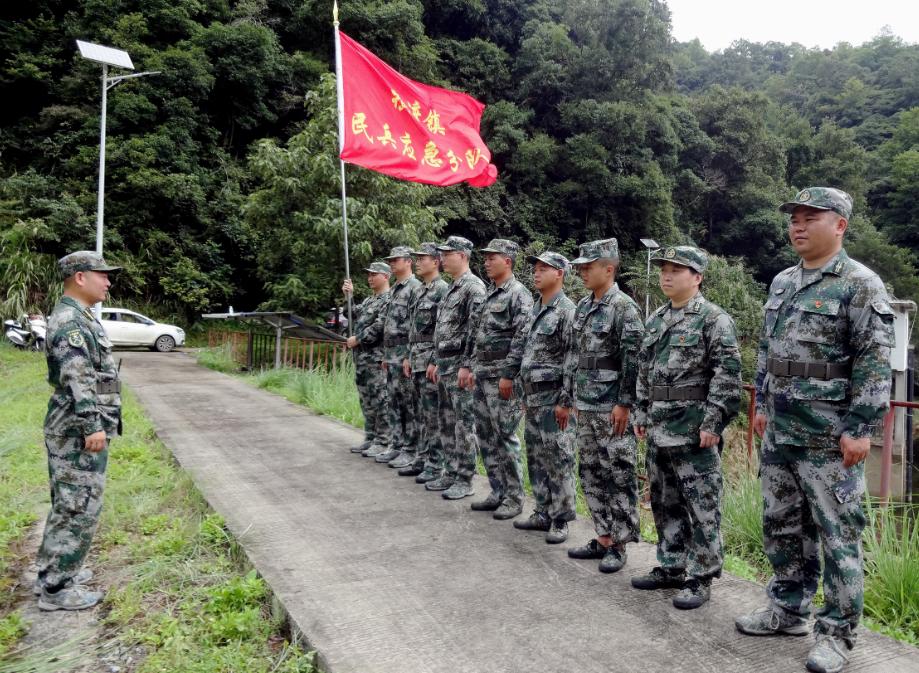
pixel 256 350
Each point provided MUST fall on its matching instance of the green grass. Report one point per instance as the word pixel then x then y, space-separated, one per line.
pixel 177 583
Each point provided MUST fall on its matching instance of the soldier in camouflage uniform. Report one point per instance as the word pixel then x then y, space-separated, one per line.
pixel 84 413
pixel 608 332
pixel 429 460
pixel 688 391
pixel 403 430
pixel 451 366
pixel 546 383
pixel 367 347
pixel 495 351
pixel 823 385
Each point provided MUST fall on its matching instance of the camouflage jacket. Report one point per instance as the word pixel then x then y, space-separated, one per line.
pixel 81 368
pixel 698 349
pixel 501 321
pixel 610 330
pixel 423 320
pixel 842 316
pixel 397 321
pixel 451 335
pixel 368 328
pixel 548 342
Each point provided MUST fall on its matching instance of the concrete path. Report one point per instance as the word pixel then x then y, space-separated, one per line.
pixel 382 576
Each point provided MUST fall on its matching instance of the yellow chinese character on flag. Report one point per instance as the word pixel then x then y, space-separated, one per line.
pixel 407 149
pixel 359 125
pixel 430 156
pixel 473 157
pixel 397 101
pixel 415 110
pixel 433 122
pixel 454 162
pixel 387 138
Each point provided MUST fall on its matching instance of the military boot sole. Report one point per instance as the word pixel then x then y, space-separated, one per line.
pixel 409 471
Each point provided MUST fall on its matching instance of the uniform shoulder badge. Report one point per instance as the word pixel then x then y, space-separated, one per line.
pixel 75 338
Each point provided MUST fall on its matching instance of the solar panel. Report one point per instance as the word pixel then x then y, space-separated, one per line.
pixel 107 55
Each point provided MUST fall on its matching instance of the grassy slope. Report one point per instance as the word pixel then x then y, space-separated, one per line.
pixel 891 541
pixel 174 578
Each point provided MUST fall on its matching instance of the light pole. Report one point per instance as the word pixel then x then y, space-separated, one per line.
pixel 120 59
pixel 650 245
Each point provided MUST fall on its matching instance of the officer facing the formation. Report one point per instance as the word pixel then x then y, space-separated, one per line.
pixel 84 413
pixel 403 430
pixel 428 463
pixel 823 385
pixel 608 332
pixel 451 338
pixel 546 384
pixel 495 352
pixel 367 346
pixel 688 391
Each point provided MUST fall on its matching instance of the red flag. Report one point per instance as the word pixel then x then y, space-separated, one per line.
pixel 408 130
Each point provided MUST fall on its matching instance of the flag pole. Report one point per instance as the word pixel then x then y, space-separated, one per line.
pixel 340 95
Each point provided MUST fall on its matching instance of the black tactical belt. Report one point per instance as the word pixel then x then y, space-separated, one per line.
pixel 422 340
pixel 807 369
pixel 665 393
pixel 108 387
pixel 541 387
pixel 491 356
pixel 395 341
pixel 594 362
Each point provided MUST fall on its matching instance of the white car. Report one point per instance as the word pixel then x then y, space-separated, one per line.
pixel 129 328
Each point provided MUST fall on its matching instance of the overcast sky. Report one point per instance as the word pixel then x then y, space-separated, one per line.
pixel 813 23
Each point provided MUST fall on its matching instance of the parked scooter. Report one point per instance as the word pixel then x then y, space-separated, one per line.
pixel 28 333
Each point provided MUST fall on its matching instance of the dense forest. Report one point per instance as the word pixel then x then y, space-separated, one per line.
pixel 222 177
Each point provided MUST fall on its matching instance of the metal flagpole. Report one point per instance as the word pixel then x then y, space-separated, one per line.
pixel 340 95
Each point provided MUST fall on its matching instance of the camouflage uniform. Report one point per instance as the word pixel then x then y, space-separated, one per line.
pixel 86 400
pixel 403 429
pixel 823 370
pixel 607 336
pixel 421 339
pixel 546 383
pixel 451 336
pixel 369 377
pixel 688 380
pixel 500 327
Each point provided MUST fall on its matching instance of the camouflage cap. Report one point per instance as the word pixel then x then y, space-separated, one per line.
pixel 684 255
pixel 379 267
pixel 502 246
pixel 83 260
pixel 553 259
pixel 427 248
pixel 821 198
pixel 399 251
pixel 608 248
pixel 456 243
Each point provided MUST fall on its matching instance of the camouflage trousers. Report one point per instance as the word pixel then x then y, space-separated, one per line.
pixel 403 431
pixel 77 483
pixel 813 511
pixel 607 470
pixel 496 422
pixel 457 429
pixel 430 454
pixel 374 398
pixel 550 462
pixel 686 487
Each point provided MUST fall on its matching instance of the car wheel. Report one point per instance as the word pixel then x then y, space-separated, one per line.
pixel 164 344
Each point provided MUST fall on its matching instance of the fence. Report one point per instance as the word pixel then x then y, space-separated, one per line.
pixel 256 350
